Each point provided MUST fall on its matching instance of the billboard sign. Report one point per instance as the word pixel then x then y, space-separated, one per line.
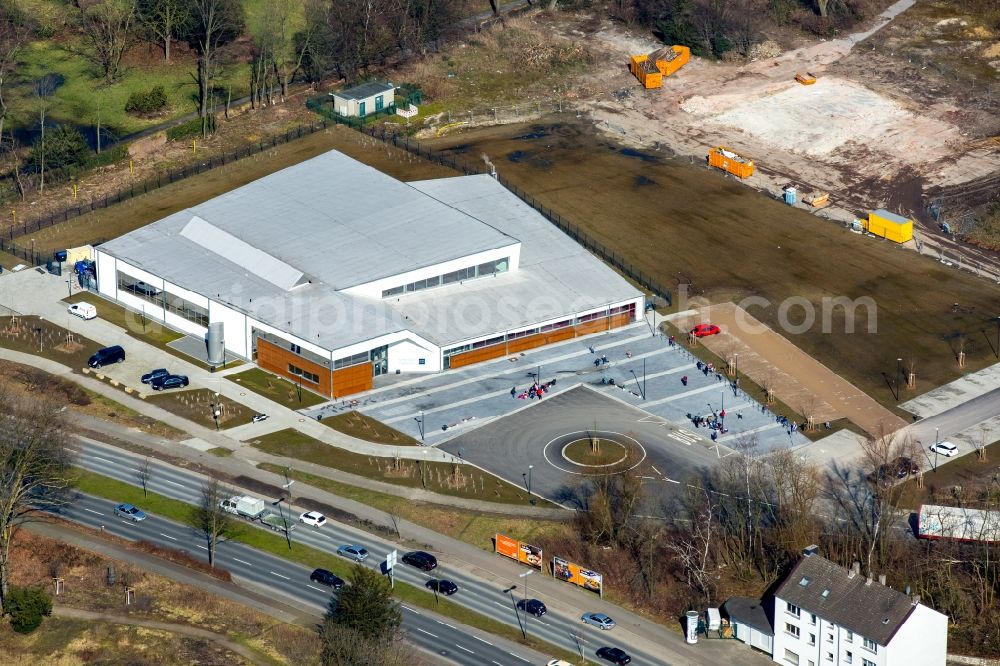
pixel 524 553
pixel 574 573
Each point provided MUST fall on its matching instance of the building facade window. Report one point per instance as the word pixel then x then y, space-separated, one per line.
pixel 791 629
pixel 791 657
pixel 185 309
pixel 829 656
pixel 348 361
pixel 812 618
pixel 792 609
pixel 812 639
pixel 848 657
pixel 871 645
pixel 303 374
pixel 487 269
pixel 850 637
pixel 140 289
pixel 866 662
pixel 829 638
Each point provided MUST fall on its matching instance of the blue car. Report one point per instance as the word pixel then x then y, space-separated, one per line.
pixel 133 513
pixel 153 375
pixel 169 382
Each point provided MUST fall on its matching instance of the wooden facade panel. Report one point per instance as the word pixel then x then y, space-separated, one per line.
pixel 539 339
pixel 477 355
pixel 353 379
pixel 592 326
pixel 275 359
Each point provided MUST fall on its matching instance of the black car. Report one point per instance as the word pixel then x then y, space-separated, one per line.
pixel 169 382
pixel 153 375
pixel 107 356
pixel 420 560
pixel 324 577
pixel 532 606
pixel 614 655
pixel 445 587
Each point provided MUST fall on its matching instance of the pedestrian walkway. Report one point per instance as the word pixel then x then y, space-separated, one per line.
pixel 955 393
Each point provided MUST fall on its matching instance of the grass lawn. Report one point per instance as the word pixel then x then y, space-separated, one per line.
pixel 56 343
pixel 364 427
pixel 439 477
pixel 475 529
pixel 275 544
pixel 106 408
pixel 976 478
pixel 221 452
pixel 196 405
pixel 277 389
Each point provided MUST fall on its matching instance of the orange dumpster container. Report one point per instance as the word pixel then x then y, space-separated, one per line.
pixel 731 162
pixel 673 59
pixel 806 79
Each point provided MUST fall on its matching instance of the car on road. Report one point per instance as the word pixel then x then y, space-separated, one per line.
pixel 445 587
pixel 558 662
pixel 353 552
pixel 131 512
pixel 324 577
pixel 169 382
pixel 106 356
pixel 704 330
pixel 532 607
pixel 153 375
pixel 83 310
pixel 313 518
pixel 420 560
pixel 944 448
pixel 614 655
pixel 599 620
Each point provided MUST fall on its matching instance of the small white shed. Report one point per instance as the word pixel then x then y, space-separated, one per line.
pixel 364 100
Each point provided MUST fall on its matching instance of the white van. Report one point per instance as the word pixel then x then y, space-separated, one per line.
pixel 84 310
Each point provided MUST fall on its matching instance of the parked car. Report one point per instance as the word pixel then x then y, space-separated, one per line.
pixel 144 289
pixel 107 356
pixel 599 620
pixel 257 418
pixel 169 382
pixel 532 607
pixel 353 552
pixel 420 560
pixel 558 662
pixel 83 310
pixel 945 449
pixel 904 467
pixel 614 655
pixel 704 330
pixel 445 587
pixel 133 513
pixel 313 518
pixel 324 577
pixel 153 375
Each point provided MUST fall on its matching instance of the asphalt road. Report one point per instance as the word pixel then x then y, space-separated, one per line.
pixel 535 437
pixel 956 419
pixel 559 627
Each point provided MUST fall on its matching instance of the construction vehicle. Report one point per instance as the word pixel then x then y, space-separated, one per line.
pixel 805 78
pixel 254 509
pixel 731 162
pixel 650 69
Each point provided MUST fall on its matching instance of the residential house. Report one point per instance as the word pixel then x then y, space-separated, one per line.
pixel 364 99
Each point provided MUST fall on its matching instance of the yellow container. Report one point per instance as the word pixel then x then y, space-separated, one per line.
pixel 890 226
pixel 681 56
pixel 731 162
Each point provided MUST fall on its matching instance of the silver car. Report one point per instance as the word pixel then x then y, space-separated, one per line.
pixel 352 552
pixel 599 620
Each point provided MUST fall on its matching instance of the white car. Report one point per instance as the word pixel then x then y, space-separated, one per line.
pixel 84 310
pixel 945 449
pixel 558 662
pixel 313 518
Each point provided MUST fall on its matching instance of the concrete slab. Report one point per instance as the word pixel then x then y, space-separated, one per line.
pixel 955 393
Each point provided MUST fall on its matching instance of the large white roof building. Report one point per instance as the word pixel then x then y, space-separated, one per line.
pixel 331 265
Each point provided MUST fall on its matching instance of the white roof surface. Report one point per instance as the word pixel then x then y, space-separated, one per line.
pixel 282 248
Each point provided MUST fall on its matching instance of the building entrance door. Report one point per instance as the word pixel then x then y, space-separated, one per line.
pixel 380 360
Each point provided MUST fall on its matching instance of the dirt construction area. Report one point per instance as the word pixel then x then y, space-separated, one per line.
pixel 797 379
pixel 869 140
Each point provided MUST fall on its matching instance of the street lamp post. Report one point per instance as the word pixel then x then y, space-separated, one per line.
pixel 936 431
pixel 525 577
pixel 510 591
pixel 420 424
pixel 526 476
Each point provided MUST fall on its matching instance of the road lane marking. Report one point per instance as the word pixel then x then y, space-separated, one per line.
pixel 92 511
pixel 504 606
pixel 464 648
pixel 167 536
pixel 412 611
pixel 103 460
pixel 315 588
pixel 521 658
pixel 497 663
pixel 484 641
pixel 279 575
pixel 424 631
pixel 202 547
pixel 242 562
pixel 174 483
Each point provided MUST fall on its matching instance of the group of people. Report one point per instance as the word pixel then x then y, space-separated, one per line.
pixel 536 390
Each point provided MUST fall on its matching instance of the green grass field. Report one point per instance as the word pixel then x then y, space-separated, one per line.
pixel 364 427
pixel 196 405
pixel 280 390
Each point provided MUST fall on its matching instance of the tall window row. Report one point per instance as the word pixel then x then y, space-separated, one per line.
pixel 170 302
pixel 482 270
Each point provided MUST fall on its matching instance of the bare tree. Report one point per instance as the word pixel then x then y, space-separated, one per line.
pixel 612 500
pixel 35 469
pixel 143 472
pixel 692 545
pixel 15 30
pixel 211 521
pixel 108 28
pixel 289 48
pixel 215 23
pixel 166 19
pixel 44 88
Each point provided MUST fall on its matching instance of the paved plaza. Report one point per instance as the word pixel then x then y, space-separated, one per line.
pixel 647 373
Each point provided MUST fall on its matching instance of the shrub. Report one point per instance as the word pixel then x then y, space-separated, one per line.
pixel 27 606
pixel 64 147
pixel 144 103
pixel 190 128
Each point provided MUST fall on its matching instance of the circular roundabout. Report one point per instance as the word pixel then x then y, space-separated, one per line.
pixel 592 452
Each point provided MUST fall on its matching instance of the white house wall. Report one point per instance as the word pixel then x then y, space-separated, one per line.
pixel 182 324
pixel 107 275
pixel 374 289
pixel 236 332
pixel 138 274
pixel 187 295
pixel 405 356
pixel 923 639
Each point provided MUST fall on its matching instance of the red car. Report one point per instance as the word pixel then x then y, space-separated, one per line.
pixel 703 330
